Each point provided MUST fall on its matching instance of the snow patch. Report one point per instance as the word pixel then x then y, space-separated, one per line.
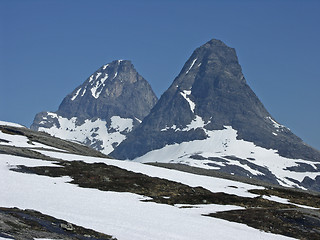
pixel 211 183
pixel 197 122
pixel 115 75
pixel 286 201
pixel 99 85
pixel 276 124
pixel 174 127
pixel 21 141
pixel 83 92
pixel 104 78
pixel 98 75
pixel 207 208
pixel 76 94
pixel 45 239
pixel 138 120
pixel 185 94
pixel 91 132
pixel 121 124
pixel 53 115
pixel 10 124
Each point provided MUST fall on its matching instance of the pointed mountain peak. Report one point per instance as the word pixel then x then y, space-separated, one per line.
pixel 214 42
pixel 111 90
pixel 209 94
pixel 215 46
pixel 101 111
pixel 210 118
pixel 121 65
pixel 213 63
pixel 118 71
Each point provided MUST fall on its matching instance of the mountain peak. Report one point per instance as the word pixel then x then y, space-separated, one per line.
pixel 214 42
pixel 102 110
pixel 110 91
pixel 116 64
pixel 213 62
pixel 208 109
pixel 100 83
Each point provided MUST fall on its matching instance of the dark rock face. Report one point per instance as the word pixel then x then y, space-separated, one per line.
pixel 113 99
pixel 115 89
pixel 211 85
pixel 312 184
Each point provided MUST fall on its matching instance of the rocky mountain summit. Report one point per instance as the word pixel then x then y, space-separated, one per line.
pixel 210 117
pixel 101 111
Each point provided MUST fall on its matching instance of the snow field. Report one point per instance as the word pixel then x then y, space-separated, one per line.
pixel 221 143
pixel 91 131
pixel 10 124
pixel 213 184
pixel 122 215
pixel 22 141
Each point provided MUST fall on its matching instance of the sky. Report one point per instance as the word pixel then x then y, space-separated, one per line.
pixel 49 47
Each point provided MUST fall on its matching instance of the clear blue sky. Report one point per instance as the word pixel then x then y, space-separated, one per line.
pixel 48 48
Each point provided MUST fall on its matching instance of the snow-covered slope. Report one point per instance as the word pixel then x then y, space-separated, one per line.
pixel 124 215
pixel 96 133
pixel 223 151
pixel 10 124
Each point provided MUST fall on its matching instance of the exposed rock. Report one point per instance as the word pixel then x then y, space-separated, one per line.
pixel 29 224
